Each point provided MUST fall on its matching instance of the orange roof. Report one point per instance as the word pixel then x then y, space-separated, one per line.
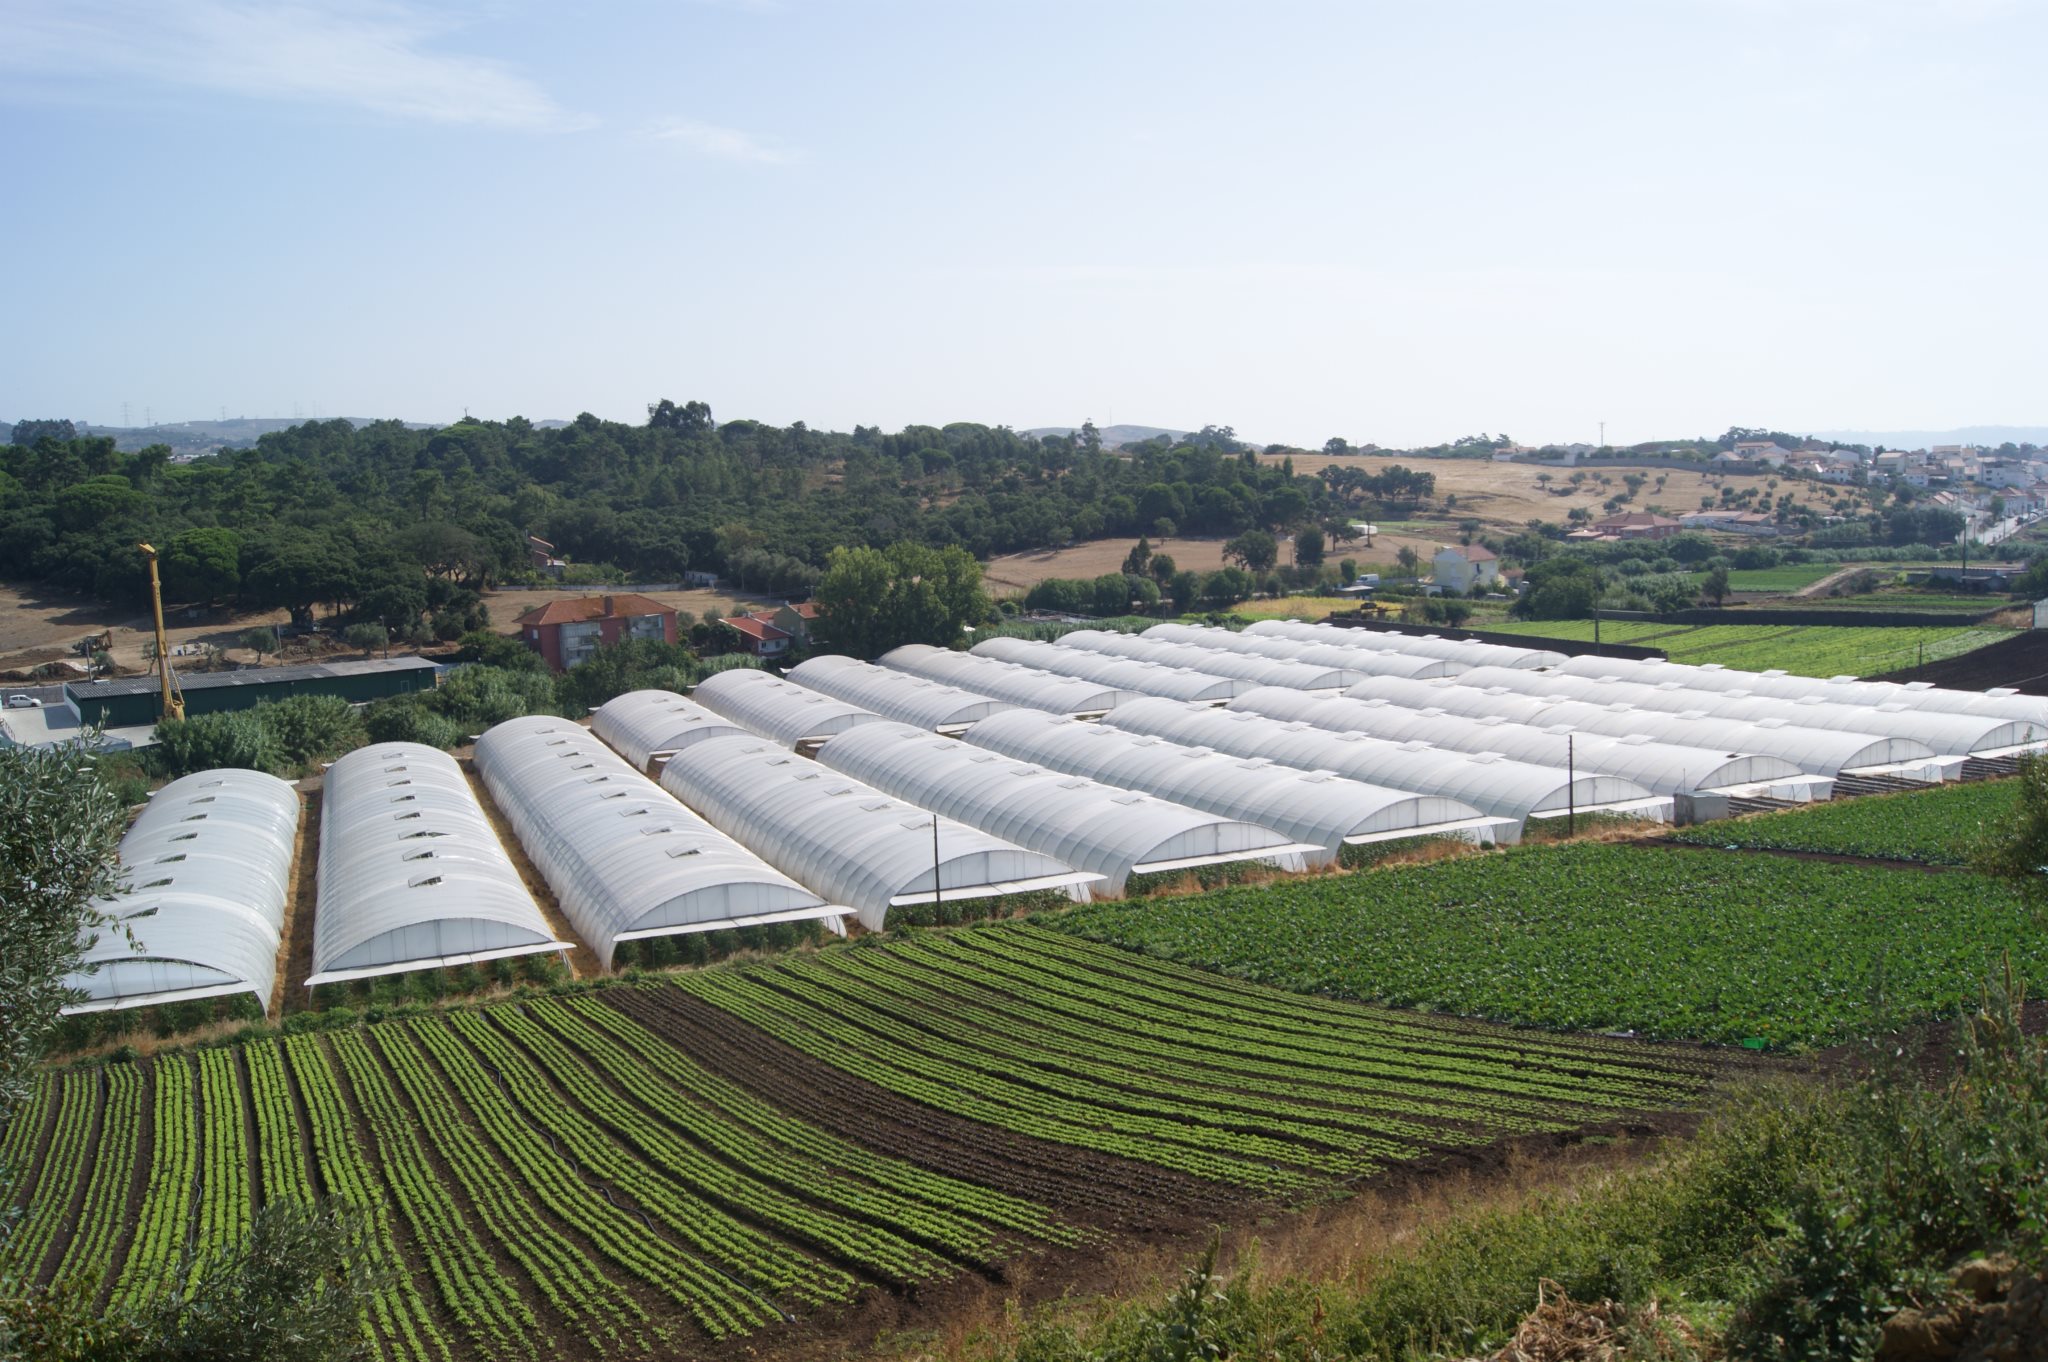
pixel 755 627
pixel 807 609
pixel 623 606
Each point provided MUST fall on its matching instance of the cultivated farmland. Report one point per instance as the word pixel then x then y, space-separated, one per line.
pixel 1807 650
pixel 1676 943
pixel 1933 827
pixel 648 1170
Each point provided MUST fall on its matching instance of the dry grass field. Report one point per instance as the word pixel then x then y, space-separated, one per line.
pixel 508 606
pixel 1506 496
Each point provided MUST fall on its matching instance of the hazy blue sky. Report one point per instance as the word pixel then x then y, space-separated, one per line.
pixel 1393 222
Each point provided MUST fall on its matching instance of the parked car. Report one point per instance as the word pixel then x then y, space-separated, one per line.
pixel 23 702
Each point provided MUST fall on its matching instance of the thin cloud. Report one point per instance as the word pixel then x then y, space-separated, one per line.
pixel 362 53
pixel 724 144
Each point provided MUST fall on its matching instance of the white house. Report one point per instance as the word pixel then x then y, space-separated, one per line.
pixel 1465 569
pixel 1763 451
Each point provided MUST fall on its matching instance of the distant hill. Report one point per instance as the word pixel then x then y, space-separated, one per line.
pixel 1112 435
pixel 1991 436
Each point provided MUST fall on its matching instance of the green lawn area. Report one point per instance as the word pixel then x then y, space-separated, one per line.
pixel 1940 826
pixel 1789 577
pixel 1807 650
pixel 1703 945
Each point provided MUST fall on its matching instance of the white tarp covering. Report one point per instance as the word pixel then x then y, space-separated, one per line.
pixel 778 710
pixel 1470 651
pixel 411 873
pixel 1843 690
pixel 1493 785
pixel 1365 661
pixel 641 723
pixel 893 695
pixel 1261 671
pixel 1124 673
pixel 207 865
pixel 847 840
pixel 626 860
pixel 1078 822
pixel 1030 687
pixel 1309 806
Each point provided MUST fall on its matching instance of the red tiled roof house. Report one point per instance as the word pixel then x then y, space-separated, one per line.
pixel 568 632
pixel 769 633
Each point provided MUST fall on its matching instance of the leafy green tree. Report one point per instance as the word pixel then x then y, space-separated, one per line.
pixel 1139 558
pixel 1715 586
pixel 1162 567
pixel 1110 595
pixel 872 600
pixel 304 729
pixel 1186 589
pixel 260 641
pixel 1254 551
pixel 368 637
pixel 1308 547
pixel 203 742
pixel 202 565
pixel 1226 587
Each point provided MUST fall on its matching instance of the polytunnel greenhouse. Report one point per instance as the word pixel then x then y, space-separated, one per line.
pixel 1124 673
pixel 411 874
pixel 1470 651
pixel 207 866
pixel 1659 767
pixel 644 724
pixel 1030 687
pixel 1261 671
pixel 1493 785
pixel 895 695
pixel 1365 661
pixel 625 859
pixel 1841 690
pixel 1111 832
pixel 778 710
pixel 848 841
pixel 1309 806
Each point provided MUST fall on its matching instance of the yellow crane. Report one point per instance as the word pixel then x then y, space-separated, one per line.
pixel 173 698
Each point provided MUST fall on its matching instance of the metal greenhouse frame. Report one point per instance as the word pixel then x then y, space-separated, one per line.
pixel 625 858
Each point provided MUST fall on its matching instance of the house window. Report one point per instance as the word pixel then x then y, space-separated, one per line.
pixel 648 626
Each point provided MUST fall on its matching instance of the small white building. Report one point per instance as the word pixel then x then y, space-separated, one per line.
pixel 1463 569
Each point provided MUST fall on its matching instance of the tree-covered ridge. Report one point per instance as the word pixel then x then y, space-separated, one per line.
pixel 326 512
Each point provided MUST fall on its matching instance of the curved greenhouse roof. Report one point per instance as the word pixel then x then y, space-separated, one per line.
pixel 1031 687
pixel 1842 690
pixel 1470 651
pixel 1614 707
pixel 626 860
pixel 1493 785
pixel 895 695
pixel 207 865
pixel 1364 661
pixel 1309 806
pixel 778 710
pixel 642 724
pixel 1661 767
pixel 1125 673
pixel 1111 832
pixel 411 874
pixel 1260 671
pixel 850 842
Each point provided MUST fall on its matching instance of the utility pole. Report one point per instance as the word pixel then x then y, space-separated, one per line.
pixel 1571 785
pixel 935 868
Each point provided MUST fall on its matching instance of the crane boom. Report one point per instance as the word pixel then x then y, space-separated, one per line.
pixel 173 706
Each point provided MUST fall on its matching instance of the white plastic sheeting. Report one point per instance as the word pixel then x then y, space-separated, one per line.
pixel 1030 687
pixel 1843 690
pixel 1125 673
pixel 1470 651
pixel 1260 671
pixel 642 723
pixel 1659 767
pixel 207 865
pixel 1309 806
pixel 894 695
pixel 778 710
pixel 411 875
pixel 1493 785
pixel 1545 699
pixel 1111 832
pixel 1946 734
pixel 850 842
pixel 1366 661
pixel 625 859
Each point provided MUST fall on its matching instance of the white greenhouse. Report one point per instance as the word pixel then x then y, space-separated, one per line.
pixel 1819 751
pixel 1125 673
pixel 778 710
pixel 1113 833
pixel 1365 661
pixel 893 695
pixel 207 866
pixel 1493 785
pixel 848 841
pixel 1660 767
pixel 642 725
pixel 1470 651
pixel 1030 687
pixel 1260 671
pixel 1841 690
pixel 411 875
pixel 1309 806
pixel 626 860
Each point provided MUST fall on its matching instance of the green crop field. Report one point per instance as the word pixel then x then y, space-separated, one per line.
pixel 1807 650
pixel 643 1170
pixel 1789 577
pixel 1675 943
pixel 1934 827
